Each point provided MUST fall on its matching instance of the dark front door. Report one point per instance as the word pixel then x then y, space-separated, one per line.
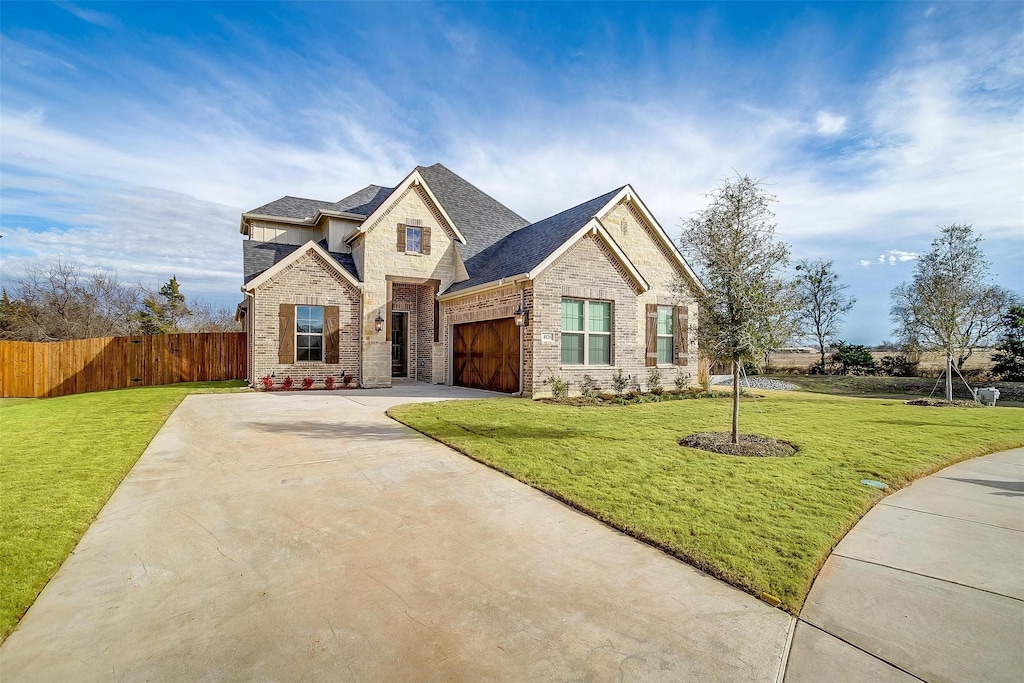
pixel 486 355
pixel 399 345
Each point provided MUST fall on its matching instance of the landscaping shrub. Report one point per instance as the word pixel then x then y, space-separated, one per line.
pixel 588 388
pixel 347 379
pixel 654 381
pixel 267 382
pixel 559 387
pixel 288 383
pixel 307 383
pixel 619 381
pixel 329 382
pixel 680 380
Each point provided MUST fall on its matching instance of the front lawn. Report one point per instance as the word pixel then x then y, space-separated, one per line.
pixel 763 524
pixel 60 459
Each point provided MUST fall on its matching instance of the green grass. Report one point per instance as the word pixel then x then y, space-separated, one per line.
pixel 765 525
pixel 60 459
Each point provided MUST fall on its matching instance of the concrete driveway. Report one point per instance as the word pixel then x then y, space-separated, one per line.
pixel 307 537
pixel 928 586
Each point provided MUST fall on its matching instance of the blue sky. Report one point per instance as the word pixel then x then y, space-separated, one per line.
pixel 132 135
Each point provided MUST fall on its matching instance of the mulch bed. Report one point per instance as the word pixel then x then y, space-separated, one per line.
pixel 750 445
pixel 942 403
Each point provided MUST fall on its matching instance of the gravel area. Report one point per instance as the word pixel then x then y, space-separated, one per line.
pixel 759 383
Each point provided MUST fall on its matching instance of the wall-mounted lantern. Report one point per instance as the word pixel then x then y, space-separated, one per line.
pixel 378 324
pixel 522 317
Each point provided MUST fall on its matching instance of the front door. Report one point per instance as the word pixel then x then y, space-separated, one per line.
pixel 399 346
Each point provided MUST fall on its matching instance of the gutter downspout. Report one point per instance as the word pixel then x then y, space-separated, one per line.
pixel 249 341
pixel 522 340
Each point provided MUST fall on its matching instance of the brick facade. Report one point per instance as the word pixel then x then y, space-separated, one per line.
pixel 418 302
pixel 492 304
pixel 307 281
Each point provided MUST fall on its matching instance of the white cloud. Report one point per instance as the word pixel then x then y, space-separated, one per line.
pixel 864 263
pixel 890 257
pixel 829 124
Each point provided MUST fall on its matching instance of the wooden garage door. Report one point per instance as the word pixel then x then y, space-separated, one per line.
pixel 487 355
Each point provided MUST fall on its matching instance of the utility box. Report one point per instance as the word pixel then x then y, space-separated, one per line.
pixel 988 396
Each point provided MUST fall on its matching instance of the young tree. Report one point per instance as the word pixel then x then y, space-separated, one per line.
pixel 951 305
pixel 1009 355
pixel 823 302
pixel 732 244
pixel 163 311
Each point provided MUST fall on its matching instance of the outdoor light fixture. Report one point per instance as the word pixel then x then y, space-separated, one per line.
pixel 378 324
pixel 521 317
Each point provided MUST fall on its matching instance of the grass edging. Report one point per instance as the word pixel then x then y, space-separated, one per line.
pixel 503 438
pixel 54 482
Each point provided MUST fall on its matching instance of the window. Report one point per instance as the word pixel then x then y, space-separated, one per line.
pixel 413 239
pixel 665 336
pixel 309 333
pixel 586 332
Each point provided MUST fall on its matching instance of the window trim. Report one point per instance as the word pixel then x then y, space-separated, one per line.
pixel 586 333
pixel 321 334
pixel 419 229
pixel 671 336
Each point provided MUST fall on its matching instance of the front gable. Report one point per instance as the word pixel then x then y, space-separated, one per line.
pixel 309 256
pixel 645 242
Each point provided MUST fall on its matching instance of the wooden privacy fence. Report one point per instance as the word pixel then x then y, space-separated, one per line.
pixel 42 369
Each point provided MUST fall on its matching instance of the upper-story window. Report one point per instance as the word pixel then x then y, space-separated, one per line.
pixel 309 334
pixel 586 332
pixel 414 239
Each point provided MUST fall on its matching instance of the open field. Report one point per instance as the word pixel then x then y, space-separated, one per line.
pixel 60 460
pixel 898 387
pixel 765 525
pixel 931 363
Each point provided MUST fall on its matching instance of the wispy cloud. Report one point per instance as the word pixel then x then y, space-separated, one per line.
pixel 89 16
pixel 890 257
pixel 829 124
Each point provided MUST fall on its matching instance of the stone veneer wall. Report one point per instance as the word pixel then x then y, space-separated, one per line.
pixel 378 257
pixel 308 281
pixel 489 305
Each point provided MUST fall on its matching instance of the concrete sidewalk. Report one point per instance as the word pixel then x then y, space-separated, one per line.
pixel 307 537
pixel 928 586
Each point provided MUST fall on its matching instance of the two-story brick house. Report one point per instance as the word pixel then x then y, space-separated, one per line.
pixel 435 281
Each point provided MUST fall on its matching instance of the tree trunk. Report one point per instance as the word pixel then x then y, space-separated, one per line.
pixel 949 378
pixel 822 347
pixel 735 401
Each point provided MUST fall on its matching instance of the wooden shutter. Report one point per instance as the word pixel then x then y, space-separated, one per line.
pixel 401 243
pixel 286 341
pixel 331 332
pixel 652 335
pixel 425 239
pixel 681 331
pixel 387 313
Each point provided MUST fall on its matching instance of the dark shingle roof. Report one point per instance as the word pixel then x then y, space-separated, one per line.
pixel 292 207
pixel 527 247
pixel 258 256
pixel 364 202
pixel 482 219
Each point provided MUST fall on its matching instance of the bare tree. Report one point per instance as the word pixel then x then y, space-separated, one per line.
pixel 823 302
pixel 951 305
pixel 203 317
pixel 732 243
pixel 781 326
pixel 57 301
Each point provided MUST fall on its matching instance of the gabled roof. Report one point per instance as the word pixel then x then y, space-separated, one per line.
pixel 526 248
pixel 481 218
pixel 295 208
pixel 365 201
pixel 258 257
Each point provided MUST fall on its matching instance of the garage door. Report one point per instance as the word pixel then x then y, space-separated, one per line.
pixel 487 355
